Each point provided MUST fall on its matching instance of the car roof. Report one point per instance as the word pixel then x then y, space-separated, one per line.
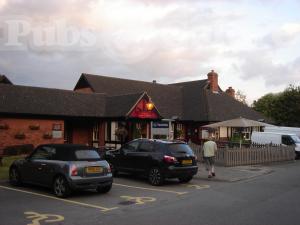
pixel 67 146
pixel 162 141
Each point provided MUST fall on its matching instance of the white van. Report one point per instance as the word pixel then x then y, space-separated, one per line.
pixel 283 130
pixel 276 139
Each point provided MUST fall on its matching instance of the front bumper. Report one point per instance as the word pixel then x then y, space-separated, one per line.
pixel 79 183
pixel 175 172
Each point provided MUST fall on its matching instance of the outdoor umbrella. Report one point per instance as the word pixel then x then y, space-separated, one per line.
pixel 238 122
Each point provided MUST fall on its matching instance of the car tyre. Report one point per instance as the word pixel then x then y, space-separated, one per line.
pixel 155 177
pixel 104 189
pixel 185 179
pixel 61 187
pixel 15 177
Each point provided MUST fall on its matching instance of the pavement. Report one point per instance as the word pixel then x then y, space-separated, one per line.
pixel 233 174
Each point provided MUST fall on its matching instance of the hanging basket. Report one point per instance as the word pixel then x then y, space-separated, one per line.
pixel 47 136
pixel 4 127
pixel 34 127
pixel 20 136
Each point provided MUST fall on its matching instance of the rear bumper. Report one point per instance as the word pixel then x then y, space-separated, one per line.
pixel 80 183
pixel 175 172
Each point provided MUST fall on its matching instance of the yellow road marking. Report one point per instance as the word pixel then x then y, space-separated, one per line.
pixel 103 209
pixel 151 189
pixel 139 200
pixel 37 217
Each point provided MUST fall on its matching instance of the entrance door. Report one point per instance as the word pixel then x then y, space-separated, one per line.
pixel 140 130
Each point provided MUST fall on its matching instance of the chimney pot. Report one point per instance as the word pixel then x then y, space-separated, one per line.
pixel 154 81
pixel 213 80
pixel 231 92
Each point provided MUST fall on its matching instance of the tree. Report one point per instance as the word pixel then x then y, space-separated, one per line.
pixel 283 108
pixel 241 97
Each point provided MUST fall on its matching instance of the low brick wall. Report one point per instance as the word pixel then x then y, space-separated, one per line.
pixel 15 131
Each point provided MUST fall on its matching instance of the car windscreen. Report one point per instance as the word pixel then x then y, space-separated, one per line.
pixel 180 148
pixel 91 155
pixel 295 139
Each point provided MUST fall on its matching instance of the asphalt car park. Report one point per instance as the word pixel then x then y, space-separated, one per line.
pixel 34 205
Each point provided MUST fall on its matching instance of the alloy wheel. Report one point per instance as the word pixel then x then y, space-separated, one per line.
pixel 60 187
pixel 155 177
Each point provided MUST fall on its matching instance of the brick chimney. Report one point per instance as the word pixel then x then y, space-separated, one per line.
pixel 213 80
pixel 231 92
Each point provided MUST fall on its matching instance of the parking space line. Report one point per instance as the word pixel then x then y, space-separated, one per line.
pixel 151 189
pixel 102 209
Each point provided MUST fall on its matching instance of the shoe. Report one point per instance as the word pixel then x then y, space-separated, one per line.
pixel 209 176
pixel 213 174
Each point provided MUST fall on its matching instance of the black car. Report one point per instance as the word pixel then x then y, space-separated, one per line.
pixel 155 159
pixel 64 167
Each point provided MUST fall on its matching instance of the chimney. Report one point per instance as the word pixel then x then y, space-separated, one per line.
pixel 154 81
pixel 231 92
pixel 213 80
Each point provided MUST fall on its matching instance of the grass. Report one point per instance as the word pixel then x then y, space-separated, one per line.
pixel 7 161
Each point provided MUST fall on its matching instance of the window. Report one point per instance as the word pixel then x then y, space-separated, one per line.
pixel 96 135
pixel 131 147
pixel 287 140
pixel 44 153
pixel 180 148
pixel 146 146
pixel 87 155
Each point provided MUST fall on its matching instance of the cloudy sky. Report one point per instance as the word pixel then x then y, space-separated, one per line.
pixel 254 45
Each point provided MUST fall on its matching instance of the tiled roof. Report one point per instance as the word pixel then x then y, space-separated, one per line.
pixel 4 80
pixel 15 99
pixel 167 98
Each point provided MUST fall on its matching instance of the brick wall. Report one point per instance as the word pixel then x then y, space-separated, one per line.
pixel 10 127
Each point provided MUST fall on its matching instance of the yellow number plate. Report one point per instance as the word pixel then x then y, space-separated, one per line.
pixel 187 162
pixel 94 169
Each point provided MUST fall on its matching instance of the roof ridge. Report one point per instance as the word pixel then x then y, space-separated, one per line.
pixel 53 89
pixel 187 82
pixel 127 94
pixel 119 78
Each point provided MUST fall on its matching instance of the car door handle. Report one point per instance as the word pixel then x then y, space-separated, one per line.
pixel 43 164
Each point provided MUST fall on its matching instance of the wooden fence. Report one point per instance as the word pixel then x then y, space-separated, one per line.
pixel 248 156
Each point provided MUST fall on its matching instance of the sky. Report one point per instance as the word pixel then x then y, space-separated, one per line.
pixel 254 45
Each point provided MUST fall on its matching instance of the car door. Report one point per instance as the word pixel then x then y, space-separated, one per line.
pixel 126 156
pixel 46 168
pixel 142 158
pixel 34 166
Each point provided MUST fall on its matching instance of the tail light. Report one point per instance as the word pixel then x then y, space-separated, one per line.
pixel 73 170
pixel 109 169
pixel 169 159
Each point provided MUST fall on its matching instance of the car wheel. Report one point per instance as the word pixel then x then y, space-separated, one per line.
pixel 104 189
pixel 185 179
pixel 113 170
pixel 155 177
pixel 15 177
pixel 61 187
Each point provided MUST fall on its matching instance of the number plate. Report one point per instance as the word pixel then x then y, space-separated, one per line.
pixel 187 162
pixel 94 169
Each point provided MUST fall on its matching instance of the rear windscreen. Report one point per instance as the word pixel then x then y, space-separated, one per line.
pixel 87 155
pixel 181 148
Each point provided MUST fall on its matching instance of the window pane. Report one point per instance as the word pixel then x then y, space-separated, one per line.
pixel 87 155
pixel 146 146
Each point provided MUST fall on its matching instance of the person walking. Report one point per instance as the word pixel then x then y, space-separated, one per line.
pixel 209 153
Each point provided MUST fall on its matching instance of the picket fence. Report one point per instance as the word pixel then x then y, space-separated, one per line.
pixel 248 155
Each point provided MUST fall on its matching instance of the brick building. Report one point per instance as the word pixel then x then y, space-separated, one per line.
pixel 107 111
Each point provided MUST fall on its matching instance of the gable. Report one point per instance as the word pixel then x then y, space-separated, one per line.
pixel 144 109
